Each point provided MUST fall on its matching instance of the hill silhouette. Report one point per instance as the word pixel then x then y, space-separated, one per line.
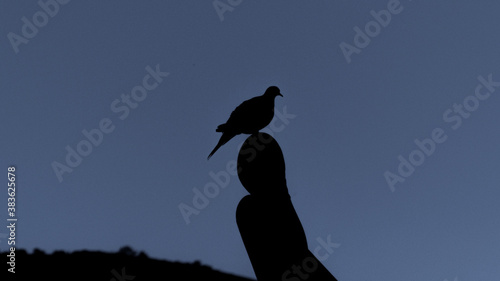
pixel 123 265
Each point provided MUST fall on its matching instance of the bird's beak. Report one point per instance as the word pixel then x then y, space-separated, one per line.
pixel 280 95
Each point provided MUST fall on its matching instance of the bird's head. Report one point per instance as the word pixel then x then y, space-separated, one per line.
pixel 273 91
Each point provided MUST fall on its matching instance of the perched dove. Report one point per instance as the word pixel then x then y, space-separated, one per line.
pixel 249 117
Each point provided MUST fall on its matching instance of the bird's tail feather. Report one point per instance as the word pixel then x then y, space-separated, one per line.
pixel 221 128
pixel 223 139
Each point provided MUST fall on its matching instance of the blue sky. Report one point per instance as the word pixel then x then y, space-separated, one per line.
pixel 351 121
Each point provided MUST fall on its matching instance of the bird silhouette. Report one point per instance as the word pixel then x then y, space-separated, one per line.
pixel 249 117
